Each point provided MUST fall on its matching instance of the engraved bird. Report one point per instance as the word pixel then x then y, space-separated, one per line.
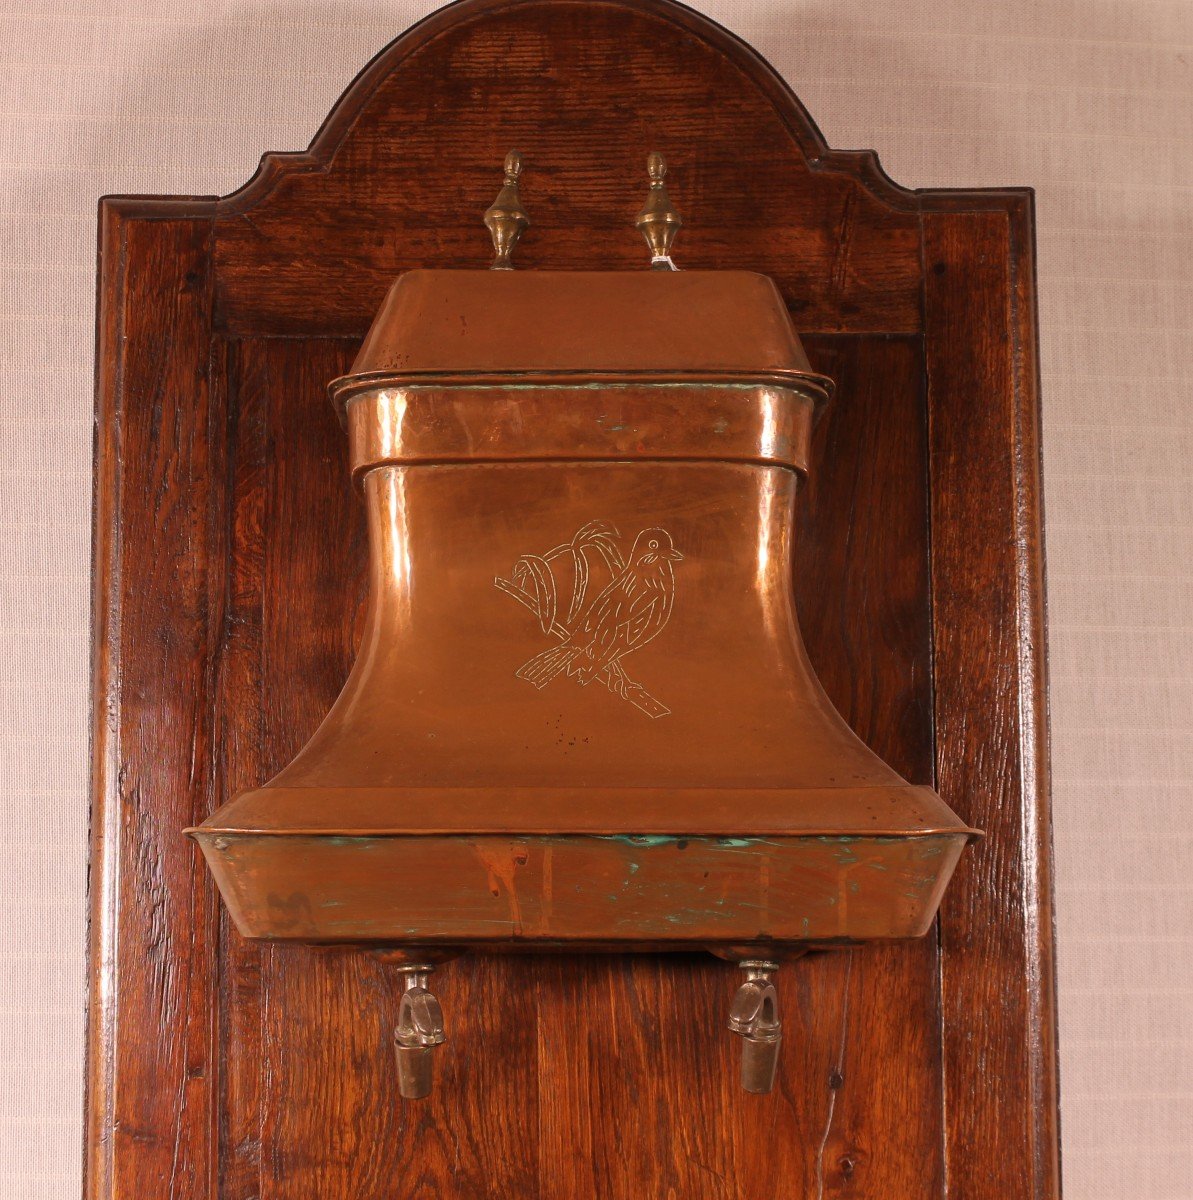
pixel 628 613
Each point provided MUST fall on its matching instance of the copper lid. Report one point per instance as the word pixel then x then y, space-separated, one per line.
pixel 727 326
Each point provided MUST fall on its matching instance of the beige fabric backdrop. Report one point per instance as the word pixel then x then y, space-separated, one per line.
pixel 1090 101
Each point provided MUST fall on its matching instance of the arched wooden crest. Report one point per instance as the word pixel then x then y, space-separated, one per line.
pixel 229 564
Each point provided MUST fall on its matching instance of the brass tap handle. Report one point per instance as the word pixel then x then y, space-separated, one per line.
pixel 505 217
pixel 658 222
pixel 420 1029
pixel 754 1017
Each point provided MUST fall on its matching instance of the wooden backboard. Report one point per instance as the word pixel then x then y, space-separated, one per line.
pixel 229 576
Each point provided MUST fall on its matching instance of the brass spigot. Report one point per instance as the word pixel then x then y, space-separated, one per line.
pixel 658 222
pixel 505 218
pixel 419 1031
pixel 754 1017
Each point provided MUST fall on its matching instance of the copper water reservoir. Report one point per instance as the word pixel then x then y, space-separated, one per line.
pixel 582 712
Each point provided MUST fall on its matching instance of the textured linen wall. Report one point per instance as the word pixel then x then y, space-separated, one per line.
pixel 1089 101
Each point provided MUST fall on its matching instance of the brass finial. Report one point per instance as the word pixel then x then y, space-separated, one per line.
pixel 658 222
pixel 505 217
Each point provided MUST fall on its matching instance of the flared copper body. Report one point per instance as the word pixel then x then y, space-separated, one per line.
pixel 582 711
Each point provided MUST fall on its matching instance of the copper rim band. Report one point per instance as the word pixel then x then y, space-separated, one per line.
pixel 898 811
pixel 397 424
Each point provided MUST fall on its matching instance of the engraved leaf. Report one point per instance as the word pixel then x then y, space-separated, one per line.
pixel 604 537
pixel 533 575
pixel 580 586
pixel 595 527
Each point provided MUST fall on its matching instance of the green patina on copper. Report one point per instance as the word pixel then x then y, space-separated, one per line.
pixel 655 840
pixel 638 839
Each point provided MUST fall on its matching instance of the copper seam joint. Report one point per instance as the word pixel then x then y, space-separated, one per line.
pixel 754 1017
pixel 419 1030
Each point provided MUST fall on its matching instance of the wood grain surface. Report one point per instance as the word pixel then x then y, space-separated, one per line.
pixel 229 584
